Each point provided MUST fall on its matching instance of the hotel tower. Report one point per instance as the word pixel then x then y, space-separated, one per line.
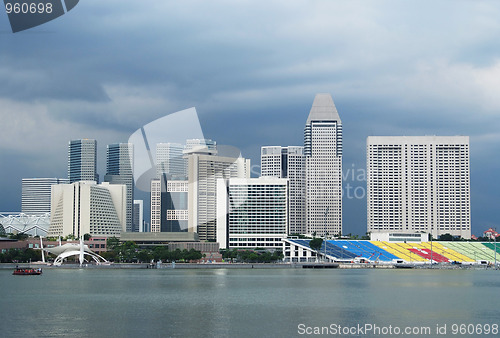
pixel 323 151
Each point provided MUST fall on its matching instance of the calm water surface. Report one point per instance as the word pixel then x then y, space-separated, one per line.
pixel 240 303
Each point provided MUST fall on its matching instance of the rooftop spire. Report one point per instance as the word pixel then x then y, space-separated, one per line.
pixel 323 109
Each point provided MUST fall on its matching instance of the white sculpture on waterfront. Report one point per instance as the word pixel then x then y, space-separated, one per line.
pixel 73 249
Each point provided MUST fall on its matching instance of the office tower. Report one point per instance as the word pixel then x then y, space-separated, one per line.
pixel 323 151
pixel 158 200
pixel 138 215
pixel 201 144
pixel 88 208
pixel 170 160
pixel 252 212
pixel 36 194
pixel 176 206
pixel 289 162
pixel 82 161
pixel 205 166
pixel 119 164
pixel 169 209
pixel 418 184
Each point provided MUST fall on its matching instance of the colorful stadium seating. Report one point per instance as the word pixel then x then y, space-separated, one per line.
pixel 380 251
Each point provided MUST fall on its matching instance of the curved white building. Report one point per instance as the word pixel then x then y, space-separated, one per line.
pixel 88 208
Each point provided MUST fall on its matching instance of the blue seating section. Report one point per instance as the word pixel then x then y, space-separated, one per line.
pixel 331 249
pixel 370 251
pixel 370 246
pixel 348 250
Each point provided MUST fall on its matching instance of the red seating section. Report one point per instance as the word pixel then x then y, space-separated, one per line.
pixel 426 253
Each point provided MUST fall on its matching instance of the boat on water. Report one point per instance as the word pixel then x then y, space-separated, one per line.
pixel 27 271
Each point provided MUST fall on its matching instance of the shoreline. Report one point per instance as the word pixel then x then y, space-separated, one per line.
pixel 9 266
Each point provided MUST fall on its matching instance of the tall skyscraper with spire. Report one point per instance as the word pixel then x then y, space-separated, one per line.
pixel 82 161
pixel 323 151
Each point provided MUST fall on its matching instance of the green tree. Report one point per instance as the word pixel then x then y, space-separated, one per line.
pixel 446 237
pixel 315 244
pixel 127 251
pixel 176 255
pixel 112 243
pixel 2 231
pixel 366 236
pixel 193 255
pixel 277 255
pixel 161 253
pixel 87 237
pixel 144 256
pixel 110 256
pixel 19 236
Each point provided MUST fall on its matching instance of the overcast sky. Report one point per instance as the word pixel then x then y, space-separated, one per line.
pixel 251 69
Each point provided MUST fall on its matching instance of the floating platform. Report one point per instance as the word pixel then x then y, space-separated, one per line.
pixel 320 266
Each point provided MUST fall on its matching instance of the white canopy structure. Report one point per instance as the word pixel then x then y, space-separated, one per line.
pixel 74 249
pixel 35 225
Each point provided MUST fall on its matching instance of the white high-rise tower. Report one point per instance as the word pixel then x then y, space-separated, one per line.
pixel 289 162
pixel 419 184
pixel 323 151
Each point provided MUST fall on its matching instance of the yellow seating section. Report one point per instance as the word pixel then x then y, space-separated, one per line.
pixel 399 251
pixel 447 252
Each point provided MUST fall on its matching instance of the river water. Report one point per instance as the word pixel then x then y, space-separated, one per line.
pixel 248 302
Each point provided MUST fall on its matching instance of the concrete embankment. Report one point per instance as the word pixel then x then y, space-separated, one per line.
pixel 200 266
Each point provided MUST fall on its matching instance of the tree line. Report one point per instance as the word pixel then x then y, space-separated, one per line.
pixel 130 252
pixel 20 256
pixel 251 256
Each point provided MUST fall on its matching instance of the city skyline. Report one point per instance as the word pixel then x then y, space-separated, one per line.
pixel 279 161
pixel 388 73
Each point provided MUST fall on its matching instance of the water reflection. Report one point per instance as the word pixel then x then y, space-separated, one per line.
pixel 228 303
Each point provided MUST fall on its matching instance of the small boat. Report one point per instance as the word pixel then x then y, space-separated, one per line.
pixel 27 271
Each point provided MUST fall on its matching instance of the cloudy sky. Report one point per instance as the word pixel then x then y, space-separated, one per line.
pixel 251 69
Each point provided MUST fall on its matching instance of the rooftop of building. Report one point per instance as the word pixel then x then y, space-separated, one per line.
pixel 323 109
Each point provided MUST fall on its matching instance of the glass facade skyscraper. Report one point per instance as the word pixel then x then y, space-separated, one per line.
pixel 119 166
pixel 36 194
pixel 82 160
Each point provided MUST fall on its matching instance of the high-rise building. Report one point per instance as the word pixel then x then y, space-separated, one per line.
pixel 205 166
pixel 206 145
pixel 418 184
pixel 139 215
pixel 323 151
pixel 169 199
pixel 158 201
pixel 119 166
pixel 170 160
pixel 85 207
pixel 252 212
pixel 82 161
pixel 289 162
pixel 176 206
pixel 36 194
